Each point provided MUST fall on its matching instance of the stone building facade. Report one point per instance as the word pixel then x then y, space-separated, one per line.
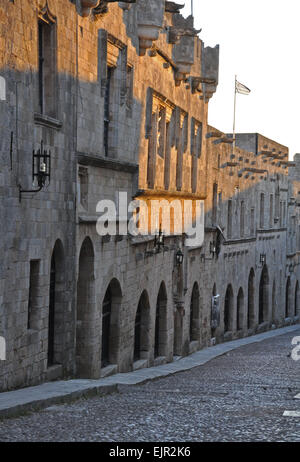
pixel 117 93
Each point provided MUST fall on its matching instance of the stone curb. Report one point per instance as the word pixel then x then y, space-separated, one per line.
pixel 19 402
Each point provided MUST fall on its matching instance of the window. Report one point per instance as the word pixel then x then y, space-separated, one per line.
pixel 215 204
pixel 129 91
pixel 229 219
pixel 242 219
pixel 107 98
pixel 161 135
pixel 199 141
pixel 83 187
pixel 271 210
pixel 33 295
pixel 47 68
pixel 262 211
pixel 252 222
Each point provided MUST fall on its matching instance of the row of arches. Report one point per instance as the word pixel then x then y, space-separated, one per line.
pixel 264 300
pixel 149 330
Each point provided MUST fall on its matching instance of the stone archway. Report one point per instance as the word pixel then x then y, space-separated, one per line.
pixel 274 314
pixel 228 309
pixel 110 332
pixel 195 314
pixel 240 310
pixel 142 329
pixel 297 304
pixel 160 334
pixel 287 298
pixel 263 296
pixel 57 294
pixel 251 305
pixel 85 313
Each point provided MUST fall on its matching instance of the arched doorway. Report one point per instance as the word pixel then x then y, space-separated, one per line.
pixel 251 310
pixel 86 312
pixel 141 328
pixel 287 297
pixel 110 324
pixel 160 336
pixel 297 307
pixel 228 309
pixel 274 315
pixel 263 296
pixel 195 314
pixel 240 310
pixel 56 306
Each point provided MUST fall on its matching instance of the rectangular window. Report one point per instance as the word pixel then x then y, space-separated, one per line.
pixel 129 91
pixel 242 219
pixel 83 187
pixel 271 211
pixel 33 295
pixel 229 219
pixel 47 68
pixel 215 204
pixel 107 102
pixel 262 211
pixel 199 141
pixel 252 222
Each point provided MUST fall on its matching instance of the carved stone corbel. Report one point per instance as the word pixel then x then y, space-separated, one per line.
pixel 86 6
pixel 150 16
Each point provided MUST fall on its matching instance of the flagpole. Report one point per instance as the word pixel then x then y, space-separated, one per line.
pixel 192 7
pixel 234 112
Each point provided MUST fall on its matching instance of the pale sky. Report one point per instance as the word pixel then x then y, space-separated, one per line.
pixel 260 42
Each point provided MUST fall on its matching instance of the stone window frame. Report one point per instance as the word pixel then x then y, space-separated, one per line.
pixel 156 104
pixel 83 193
pixel 47 105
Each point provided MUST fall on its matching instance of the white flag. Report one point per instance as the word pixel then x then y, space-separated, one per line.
pixel 242 89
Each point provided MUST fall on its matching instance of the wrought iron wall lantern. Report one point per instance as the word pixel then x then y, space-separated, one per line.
pixel 179 257
pixel 41 170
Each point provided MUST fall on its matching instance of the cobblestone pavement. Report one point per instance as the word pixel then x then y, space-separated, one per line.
pixel 240 396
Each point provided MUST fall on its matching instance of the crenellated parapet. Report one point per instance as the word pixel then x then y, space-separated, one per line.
pixel 210 70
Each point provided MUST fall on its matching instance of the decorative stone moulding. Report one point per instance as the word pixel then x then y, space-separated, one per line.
pixel 210 70
pixel 150 16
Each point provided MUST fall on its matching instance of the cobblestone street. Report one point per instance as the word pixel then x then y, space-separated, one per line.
pixel 240 396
